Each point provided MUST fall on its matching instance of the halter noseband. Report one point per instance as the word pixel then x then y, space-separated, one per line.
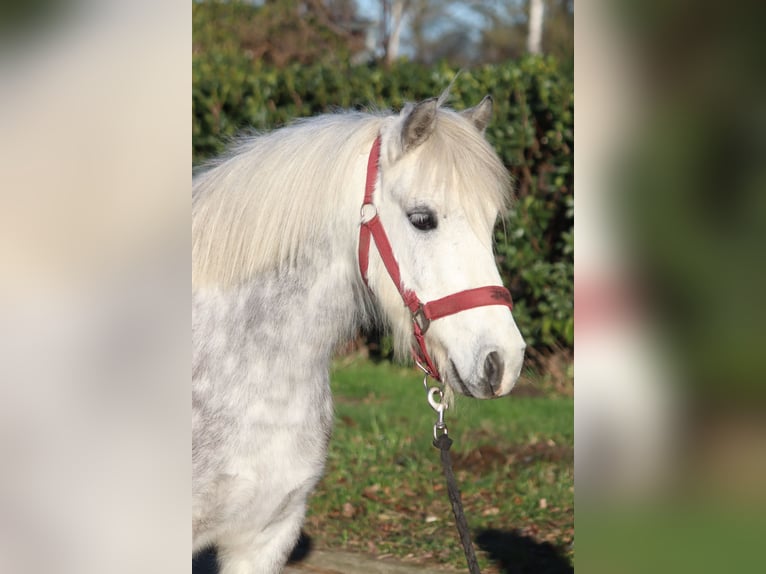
pixel 422 314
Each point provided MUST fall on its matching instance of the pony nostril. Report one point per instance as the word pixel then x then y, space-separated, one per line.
pixel 493 371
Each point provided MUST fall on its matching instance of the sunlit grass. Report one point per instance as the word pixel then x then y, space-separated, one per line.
pixel 383 491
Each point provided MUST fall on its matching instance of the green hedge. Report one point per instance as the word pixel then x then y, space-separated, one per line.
pixel 532 131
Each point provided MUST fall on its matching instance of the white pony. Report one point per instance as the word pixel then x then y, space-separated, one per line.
pixel 277 288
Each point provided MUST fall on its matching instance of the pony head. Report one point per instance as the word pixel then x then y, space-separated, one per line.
pixel 440 190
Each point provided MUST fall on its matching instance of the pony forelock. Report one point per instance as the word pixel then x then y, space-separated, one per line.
pixel 458 160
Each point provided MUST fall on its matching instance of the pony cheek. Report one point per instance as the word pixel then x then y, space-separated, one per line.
pixel 388 306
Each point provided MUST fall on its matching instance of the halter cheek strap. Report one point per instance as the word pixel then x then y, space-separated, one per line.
pixel 422 314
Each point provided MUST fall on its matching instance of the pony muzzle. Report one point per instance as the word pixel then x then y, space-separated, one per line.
pixel 494 367
pixel 490 373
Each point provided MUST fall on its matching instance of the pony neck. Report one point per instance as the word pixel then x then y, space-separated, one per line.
pixel 311 310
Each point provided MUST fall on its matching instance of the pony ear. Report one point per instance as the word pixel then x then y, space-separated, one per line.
pixel 419 123
pixel 479 115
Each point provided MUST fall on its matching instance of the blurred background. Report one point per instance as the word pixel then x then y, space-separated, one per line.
pixel 670 457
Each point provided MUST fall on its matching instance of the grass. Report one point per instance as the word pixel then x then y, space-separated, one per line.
pixel 383 492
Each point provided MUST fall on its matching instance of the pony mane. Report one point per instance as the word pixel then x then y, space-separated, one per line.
pixel 265 203
pixel 258 206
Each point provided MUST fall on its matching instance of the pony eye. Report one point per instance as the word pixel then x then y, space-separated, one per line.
pixel 424 220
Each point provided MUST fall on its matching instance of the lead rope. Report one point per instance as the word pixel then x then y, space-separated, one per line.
pixel 443 442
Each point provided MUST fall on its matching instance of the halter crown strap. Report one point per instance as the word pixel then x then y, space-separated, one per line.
pixel 422 314
pixel 373 220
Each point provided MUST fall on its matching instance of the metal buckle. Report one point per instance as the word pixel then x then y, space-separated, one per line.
pixel 420 319
pixel 439 406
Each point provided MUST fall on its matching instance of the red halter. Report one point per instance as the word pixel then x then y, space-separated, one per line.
pixel 422 314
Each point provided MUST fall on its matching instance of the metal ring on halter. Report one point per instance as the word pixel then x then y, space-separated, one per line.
pixel 367 217
pixel 426 374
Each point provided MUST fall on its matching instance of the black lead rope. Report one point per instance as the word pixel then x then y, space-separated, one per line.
pixel 443 443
